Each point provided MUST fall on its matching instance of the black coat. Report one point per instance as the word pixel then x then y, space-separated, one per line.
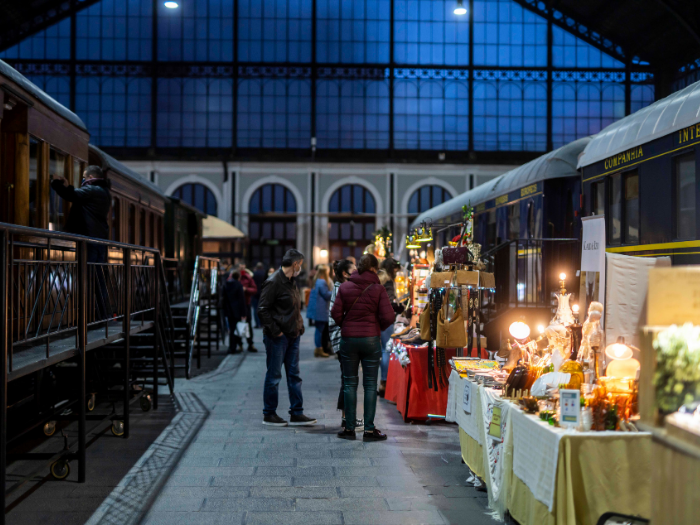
pixel 259 276
pixel 279 308
pixel 90 210
pixel 234 300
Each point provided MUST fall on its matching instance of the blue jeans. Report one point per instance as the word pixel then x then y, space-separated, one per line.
pixel 254 305
pixel 386 335
pixel 318 335
pixel 282 350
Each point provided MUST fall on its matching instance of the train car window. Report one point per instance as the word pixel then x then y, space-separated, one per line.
pixel 631 207
pixel 34 146
pixel 514 221
pixel 143 227
pixel 531 226
pixel 115 220
pixel 77 173
pixel 132 224
pixel 615 207
pixel 491 228
pixel 685 196
pixel 57 167
pixel 598 194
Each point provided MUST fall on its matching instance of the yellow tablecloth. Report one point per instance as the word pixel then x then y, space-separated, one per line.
pixel 594 475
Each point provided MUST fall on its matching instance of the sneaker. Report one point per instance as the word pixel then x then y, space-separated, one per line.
pixel 274 420
pixel 373 435
pixel 302 421
pixel 251 348
pixel 347 434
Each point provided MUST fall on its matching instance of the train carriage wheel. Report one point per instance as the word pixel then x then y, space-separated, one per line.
pixel 49 428
pixel 118 428
pixel 60 469
pixel 146 402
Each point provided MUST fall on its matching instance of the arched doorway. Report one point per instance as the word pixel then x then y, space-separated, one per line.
pixel 352 221
pixel 272 224
pixel 199 196
pixel 427 197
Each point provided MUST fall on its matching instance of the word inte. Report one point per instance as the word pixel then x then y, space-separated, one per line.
pixel 688 134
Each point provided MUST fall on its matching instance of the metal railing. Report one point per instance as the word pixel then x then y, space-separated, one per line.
pixel 57 304
pixel 527 271
pixel 205 298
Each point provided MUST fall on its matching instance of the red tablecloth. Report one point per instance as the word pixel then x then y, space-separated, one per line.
pixel 408 387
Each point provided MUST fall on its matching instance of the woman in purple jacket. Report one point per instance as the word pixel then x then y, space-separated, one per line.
pixel 362 310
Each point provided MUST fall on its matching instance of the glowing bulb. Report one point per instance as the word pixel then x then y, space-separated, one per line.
pixel 575 308
pixel 562 276
pixel 323 253
pixel 460 9
pixel 171 5
pixel 619 350
pixel 519 330
pixel 540 328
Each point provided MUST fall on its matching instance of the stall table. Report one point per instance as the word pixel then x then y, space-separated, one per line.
pixel 549 475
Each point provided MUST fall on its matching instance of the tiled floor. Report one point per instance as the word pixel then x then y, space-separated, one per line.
pixel 237 471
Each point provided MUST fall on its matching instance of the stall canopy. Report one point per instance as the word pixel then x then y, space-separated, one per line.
pixel 215 228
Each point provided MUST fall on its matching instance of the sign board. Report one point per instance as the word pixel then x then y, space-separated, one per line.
pixel 592 262
pixel 467 398
pixel 496 423
pixel 570 408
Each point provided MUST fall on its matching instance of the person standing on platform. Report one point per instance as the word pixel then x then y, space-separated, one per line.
pixel 234 306
pixel 390 266
pixel 341 272
pixel 283 326
pixel 259 276
pixel 250 290
pixel 311 302
pixel 88 216
pixel 322 289
pixel 363 311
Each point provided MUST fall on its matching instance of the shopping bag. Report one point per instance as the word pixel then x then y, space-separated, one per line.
pixel 242 330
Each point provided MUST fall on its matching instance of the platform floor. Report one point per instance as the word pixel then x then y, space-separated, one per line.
pixel 217 464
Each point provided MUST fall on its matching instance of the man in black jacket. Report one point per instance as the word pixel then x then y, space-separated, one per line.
pixel 90 209
pixel 280 313
pixel 88 216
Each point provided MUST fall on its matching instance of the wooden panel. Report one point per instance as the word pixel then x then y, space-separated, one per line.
pixel 59 133
pixel 21 179
pixel 43 192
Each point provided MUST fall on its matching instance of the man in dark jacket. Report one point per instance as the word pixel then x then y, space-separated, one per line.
pixel 259 276
pixel 90 208
pixel 250 289
pixel 280 313
pixel 234 306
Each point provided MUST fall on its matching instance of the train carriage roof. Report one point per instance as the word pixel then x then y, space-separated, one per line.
pixel 11 73
pixel 109 162
pixel 553 165
pixel 677 111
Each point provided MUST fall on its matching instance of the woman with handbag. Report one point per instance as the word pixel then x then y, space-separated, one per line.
pixel 235 308
pixel 322 289
pixel 363 311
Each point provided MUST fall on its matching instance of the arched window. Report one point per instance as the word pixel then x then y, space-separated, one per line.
pixel 352 222
pixel 272 227
pixel 427 197
pixel 199 196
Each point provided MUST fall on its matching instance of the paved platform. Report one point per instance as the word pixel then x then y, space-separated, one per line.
pixel 226 467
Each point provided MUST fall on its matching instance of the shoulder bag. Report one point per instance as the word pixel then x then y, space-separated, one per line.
pixel 346 312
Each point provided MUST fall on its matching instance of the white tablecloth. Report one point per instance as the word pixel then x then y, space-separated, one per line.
pixel 467 422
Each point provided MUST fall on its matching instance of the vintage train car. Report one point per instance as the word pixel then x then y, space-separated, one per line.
pixel 537 200
pixel 641 173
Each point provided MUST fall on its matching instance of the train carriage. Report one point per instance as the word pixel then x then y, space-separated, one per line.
pixel 641 173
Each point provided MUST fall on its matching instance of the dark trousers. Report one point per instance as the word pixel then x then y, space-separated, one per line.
pixel 353 351
pixel 250 324
pixel 233 339
pixel 282 350
pixel 254 304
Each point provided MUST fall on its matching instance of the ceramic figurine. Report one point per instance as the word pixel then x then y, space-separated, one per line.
pixel 593 337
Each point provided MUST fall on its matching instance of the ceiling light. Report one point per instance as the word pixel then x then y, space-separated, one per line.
pixel 460 9
pixel 174 5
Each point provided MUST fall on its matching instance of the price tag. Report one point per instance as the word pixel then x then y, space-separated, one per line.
pixel 467 398
pixel 570 408
pixel 495 425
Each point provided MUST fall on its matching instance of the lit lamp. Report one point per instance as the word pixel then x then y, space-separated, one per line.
pixel 425 233
pixel 460 9
pixel 540 328
pixel 622 364
pixel 520 331
pixel 411 241
pixel 562 283
pixel 574 308
pixel 323 254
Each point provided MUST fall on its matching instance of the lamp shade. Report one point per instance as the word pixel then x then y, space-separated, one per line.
pixel 519 330
pixel 618 350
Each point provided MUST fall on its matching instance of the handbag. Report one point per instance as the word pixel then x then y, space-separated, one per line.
pixel 451 334
pixel 424 322
pixel 242 330
pixel 441 279
pixel 455 255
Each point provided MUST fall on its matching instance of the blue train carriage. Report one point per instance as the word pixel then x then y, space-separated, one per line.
pixel 641 173
pixel 527 221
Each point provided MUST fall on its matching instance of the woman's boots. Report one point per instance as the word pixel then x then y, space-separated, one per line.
pixel 382 389
pixel 320 353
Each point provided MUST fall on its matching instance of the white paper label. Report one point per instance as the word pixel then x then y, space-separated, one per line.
pixel 467 398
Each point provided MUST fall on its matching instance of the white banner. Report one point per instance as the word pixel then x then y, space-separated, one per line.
pixel 592 262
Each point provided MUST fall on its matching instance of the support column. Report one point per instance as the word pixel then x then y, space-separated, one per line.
pixel 21 179
pixel 83 280
pixel 4 349
pixel 127 337
pixel 156 331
